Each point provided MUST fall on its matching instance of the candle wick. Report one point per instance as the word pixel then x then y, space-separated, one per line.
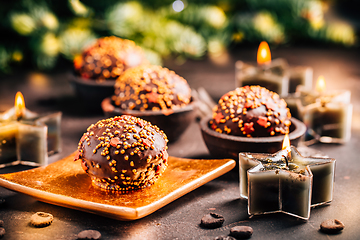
pixel 286 161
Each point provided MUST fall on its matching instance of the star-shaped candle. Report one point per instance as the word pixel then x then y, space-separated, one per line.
pixel 275 75
pixel 285 181
pixel 326 113
pixel 27 137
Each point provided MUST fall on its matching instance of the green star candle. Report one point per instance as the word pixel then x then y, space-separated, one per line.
pixel 326 114
pixel 285 182
pixel 275 75
pixel 26 137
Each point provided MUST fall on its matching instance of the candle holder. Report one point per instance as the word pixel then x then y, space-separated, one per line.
pixel 28 138
pixel 285 182
pixel 327 116
pixel 275 75
pixel 272 76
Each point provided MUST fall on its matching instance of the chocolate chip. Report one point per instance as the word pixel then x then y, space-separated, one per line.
pixel 2 232
pixel 41 219
pixel 89 234
pixel 1 223
pixel 331 226
pixel 212 220
pixel 241 232
pixel 225 238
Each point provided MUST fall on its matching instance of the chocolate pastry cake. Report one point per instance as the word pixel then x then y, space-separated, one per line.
pixel 251 111
pixel 149 87
pixel 123 153
pixel 108 58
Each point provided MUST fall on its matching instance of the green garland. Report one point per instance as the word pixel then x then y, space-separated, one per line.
pixel 42 31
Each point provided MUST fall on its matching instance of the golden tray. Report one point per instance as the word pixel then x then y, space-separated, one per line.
pixel 64 183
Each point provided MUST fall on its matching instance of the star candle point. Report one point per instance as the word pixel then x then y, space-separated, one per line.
pixel 285 182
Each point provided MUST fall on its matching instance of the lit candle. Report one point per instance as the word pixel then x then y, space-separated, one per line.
pixel 285 181
pixel 26 137
pixel 327 114
pixel 274 75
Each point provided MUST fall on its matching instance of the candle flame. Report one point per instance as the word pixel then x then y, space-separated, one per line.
pixel 286 142
pixel 320 84
pixel 263 54
pixel 19 105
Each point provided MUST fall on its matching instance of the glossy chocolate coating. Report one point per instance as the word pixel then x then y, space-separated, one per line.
pixel 251 111
pixel 150 87
pixel 108 58
pixel 123 153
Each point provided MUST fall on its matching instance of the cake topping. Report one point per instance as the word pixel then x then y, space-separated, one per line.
pixel 150 87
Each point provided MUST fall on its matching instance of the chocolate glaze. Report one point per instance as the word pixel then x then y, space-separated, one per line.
pixel 251 111
pixel 150 87
pixel 123 153
pixel 108 58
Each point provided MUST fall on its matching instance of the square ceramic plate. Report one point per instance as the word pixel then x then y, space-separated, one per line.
pixel 64 183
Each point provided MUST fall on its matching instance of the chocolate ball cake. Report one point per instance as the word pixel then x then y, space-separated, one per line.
pixel 123 153
pixel 251 111
pixel 149 87
pixel 108 58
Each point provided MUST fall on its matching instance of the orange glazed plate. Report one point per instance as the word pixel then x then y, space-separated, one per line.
pixel 64 183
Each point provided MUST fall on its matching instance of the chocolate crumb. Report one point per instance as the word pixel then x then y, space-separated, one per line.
pixel 241 232
pixel 89 234
pixel 331 226
pixel 212 220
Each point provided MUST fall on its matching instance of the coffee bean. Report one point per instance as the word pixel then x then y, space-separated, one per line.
pixel 89 234
pixel 331 226
pixel 2 232
pixel 241 232
pixel 225 238
pixel 212 220
pixel 1 223
pixel 41 219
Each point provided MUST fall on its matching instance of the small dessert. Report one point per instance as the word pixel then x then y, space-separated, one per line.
pixel 149 87
pixel 123 153
pixel 251 111
pixel 108 58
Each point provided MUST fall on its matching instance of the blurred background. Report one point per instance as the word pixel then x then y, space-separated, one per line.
pixel 46 35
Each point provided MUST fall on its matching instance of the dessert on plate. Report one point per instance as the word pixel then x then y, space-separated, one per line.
pixel 123 153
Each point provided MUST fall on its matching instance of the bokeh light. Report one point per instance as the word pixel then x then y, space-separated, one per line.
pixel 178 6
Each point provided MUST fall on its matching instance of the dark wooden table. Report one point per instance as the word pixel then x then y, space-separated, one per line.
pixel 180 219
